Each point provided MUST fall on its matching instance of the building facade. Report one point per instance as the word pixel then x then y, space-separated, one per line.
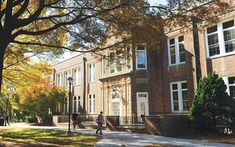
pixel 139 81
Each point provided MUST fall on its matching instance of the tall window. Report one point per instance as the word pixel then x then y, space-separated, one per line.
pixel 141 56
pixel 115 59
pixel 179 97
pixel 111 63
pixel 92 72
pixel 115 105
pixel 230 82
pixel 176 50
pixel 59 79
pixel 92 103
pixel 79 104
pixel 221 39
pixel 75 104
pixel 68 74
pixel 77 76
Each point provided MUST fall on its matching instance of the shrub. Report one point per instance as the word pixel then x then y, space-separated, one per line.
pixel 212 109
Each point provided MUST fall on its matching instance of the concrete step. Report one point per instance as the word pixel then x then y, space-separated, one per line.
pixel 85 124
pixel 137 128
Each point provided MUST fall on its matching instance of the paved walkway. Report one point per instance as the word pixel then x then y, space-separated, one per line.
pixel 119 138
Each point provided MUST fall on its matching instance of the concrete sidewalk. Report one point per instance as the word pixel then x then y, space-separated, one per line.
pixel 119 138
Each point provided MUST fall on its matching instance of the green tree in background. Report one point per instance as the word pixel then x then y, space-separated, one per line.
pixel 212 109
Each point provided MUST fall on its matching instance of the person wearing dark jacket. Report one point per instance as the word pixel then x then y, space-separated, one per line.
pixel 100 122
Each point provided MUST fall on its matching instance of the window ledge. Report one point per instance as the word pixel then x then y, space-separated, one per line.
pixel 180 112
pixel 172 65
pixel 141 68
pixel 222 55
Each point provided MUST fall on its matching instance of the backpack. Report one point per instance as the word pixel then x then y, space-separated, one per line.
pixel 99 119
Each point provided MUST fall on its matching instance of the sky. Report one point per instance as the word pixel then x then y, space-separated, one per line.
pixel 152 2
pixel 71 54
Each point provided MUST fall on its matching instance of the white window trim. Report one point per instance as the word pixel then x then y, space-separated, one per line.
pixel 220 32
pixel 146 62
pixel 145 99
pixel 177 52
pixel 60 79
pixel 92 103
pixel 227 84
pixel 78 74
pixel 91 78
pixel 180 98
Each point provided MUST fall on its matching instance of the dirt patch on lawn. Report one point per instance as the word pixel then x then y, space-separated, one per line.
pixel 220 138
pixel 26 144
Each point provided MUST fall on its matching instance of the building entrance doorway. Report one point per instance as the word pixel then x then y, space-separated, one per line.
pixel 142 106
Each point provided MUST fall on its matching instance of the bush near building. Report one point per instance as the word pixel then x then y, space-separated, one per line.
pixel 213 110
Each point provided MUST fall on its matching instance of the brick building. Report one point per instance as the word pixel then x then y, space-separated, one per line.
pixel 157 84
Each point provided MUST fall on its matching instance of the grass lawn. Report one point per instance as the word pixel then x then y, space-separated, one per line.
pixel 12 136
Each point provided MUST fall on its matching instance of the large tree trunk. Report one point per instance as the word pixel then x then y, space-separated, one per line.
pixel 3 46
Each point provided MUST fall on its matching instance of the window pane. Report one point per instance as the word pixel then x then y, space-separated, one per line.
pixel 184 85
pixel 175 86
pixel 175 96
pixel 185 95
pixel 172 53
pixel 212 39
pixel 111 63
pixel 182 52
pixel 115 108
pixel 176 106
pixel 212 29
pixel 231 80
pixel 75 104
pixel 232 91
pixel 172 41
pixel 230 46
pixel 214 50
pixel 229 35
pixel 185 105
pixel 142 95
pixel 228 24
pixel 181 38
pixel 141 59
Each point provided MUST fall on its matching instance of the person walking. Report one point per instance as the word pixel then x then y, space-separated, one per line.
pixel 74 119
pixel 100 122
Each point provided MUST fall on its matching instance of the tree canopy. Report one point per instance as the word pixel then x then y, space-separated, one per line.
pixel 49 26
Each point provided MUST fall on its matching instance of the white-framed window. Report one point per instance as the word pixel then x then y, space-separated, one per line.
pixel 68 74
pixel 220 39
pixel 115 104
pixel 77 76
pixel 111 63
pixel 59 79
pixel 179 96
pixel 79 104
pixel 141 56
pixel 176 50
pixel 92 103
pixel 75 105
pixel 92 72
pixel 115 59
pixel 230 82
pixel 58 107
